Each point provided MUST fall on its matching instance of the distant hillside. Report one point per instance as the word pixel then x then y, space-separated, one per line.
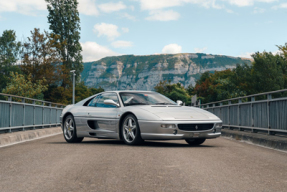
pixel 144 72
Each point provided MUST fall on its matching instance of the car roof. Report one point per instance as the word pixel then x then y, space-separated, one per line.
pixel 132 91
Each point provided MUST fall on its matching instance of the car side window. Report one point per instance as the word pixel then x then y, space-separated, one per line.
pixel 105 96
pixel 92 103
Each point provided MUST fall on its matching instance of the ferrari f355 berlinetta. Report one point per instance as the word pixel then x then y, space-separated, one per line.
pixel 135 116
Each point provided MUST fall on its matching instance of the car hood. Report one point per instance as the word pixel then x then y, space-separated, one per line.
pixel 180 113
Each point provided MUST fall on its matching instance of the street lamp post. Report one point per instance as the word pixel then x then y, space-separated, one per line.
pixel 73 71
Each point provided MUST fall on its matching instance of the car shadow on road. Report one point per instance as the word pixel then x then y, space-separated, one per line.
pixel 144 144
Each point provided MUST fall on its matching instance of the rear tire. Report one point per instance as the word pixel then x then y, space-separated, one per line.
pixel 131 131
pixel 70 131
pixel 195 142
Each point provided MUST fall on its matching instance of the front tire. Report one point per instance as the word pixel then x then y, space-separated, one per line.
pixel 70 131
pixel 130 130
pixel 195 142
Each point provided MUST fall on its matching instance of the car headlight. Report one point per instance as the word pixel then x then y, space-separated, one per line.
pixel 218 126
pixel 168 126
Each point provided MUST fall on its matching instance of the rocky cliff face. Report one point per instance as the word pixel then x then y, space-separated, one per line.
pixel 145 72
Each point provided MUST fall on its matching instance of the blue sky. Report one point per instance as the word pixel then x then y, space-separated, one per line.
pixel 143 27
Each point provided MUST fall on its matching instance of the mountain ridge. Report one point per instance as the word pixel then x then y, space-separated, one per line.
pixel 143 72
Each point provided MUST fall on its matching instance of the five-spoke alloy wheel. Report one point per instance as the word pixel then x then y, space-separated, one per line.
pixel 69 130
pixel 130 130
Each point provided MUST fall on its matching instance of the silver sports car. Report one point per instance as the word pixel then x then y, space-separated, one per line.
pixel 135 116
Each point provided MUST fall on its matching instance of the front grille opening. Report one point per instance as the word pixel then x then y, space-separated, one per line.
pixel 195 127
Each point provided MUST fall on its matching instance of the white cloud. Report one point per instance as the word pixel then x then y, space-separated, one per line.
pixel 200 50
pixel 93 51
pixel 122 44
pixel 161 15
pixel 249 54
pixel 217 4
pixel 132 7
pixel 258 10
pixel 88 7
pixel 172 48
pixel 30 7
pixel 128 16
pixel 112 7
pixel 229 11
pixel 246 55
pixel 159 4
pixel 277 52
pixel 27 7
pixel 242 3
pixel 108 30
pixel 281 6
pixel 125 29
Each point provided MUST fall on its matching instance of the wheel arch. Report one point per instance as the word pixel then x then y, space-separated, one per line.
pixel 64 117
pixel 121 121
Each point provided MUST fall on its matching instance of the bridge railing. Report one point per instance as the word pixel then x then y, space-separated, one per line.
pixel 258 112
pixel 25 113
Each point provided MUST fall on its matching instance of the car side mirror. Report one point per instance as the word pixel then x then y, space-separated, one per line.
pixel 111 102
pixel 179 102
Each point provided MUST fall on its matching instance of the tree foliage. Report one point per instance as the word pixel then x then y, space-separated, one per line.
pixel 22 86
pixel 40 57
pixel 9 50
pixel 64 95
pixel 65 21
pixel 173 91
pixel 268 72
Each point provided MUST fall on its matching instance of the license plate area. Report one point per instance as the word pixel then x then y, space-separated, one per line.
pixel 194 134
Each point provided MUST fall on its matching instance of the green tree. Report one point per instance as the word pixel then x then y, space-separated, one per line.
pixel 82 91
pixel 64 95
pixel 65 21
pixel 283 49
pixel 9 50
pixel 173 91
pixel 215 86
pixel 267 74
pixel 40 57
pixel 21 86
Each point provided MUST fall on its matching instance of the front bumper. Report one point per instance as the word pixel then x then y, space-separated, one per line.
pixel 152 130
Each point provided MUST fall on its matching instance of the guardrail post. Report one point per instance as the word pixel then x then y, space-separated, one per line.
pixel 56 114
pixel 23 101
pixel 43 114
pixel 34 121
pixel 269 97
pixel 10 113
pixel 50 105
pixel 238 113
pixel 252 117
pixel 229 103
pixel 220 111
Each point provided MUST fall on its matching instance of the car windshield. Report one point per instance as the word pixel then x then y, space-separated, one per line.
pixel 145 98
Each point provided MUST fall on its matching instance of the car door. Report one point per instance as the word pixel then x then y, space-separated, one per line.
pixel 103 118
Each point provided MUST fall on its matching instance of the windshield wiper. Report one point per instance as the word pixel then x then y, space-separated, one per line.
pixel 128 104
pixel 164 104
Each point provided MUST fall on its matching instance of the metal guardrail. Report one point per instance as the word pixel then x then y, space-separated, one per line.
pixel 25 113
pixel 267 114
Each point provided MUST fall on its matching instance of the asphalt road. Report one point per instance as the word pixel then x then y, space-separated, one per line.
pixel 51 164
